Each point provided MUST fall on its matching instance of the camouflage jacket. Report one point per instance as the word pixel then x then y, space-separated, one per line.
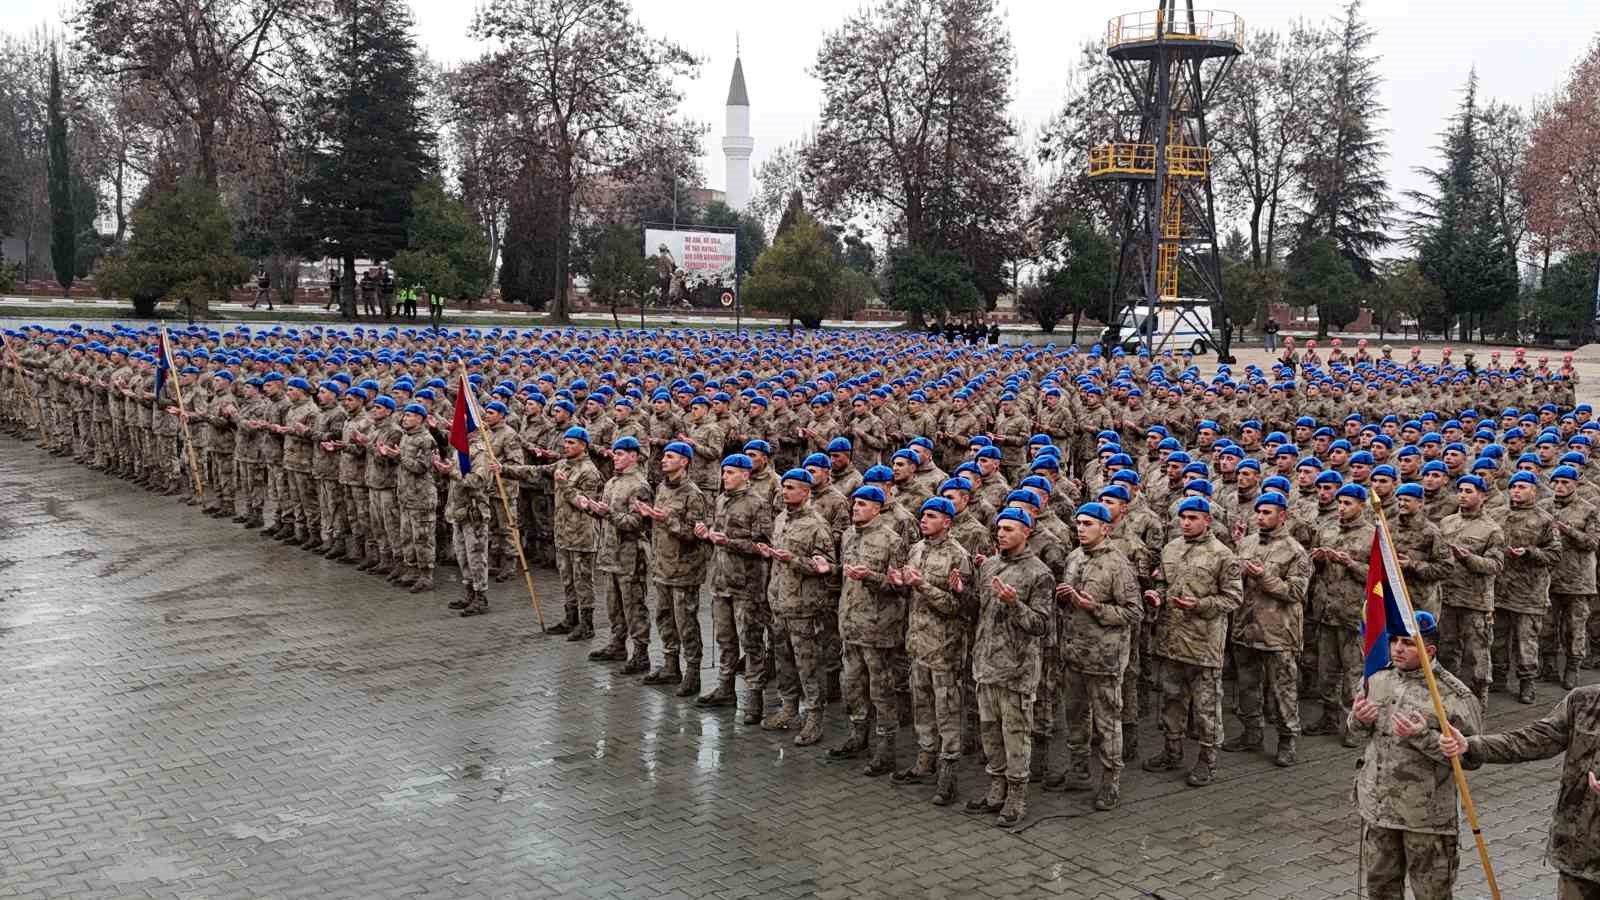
pixel 871 612
pixel 624 533
pixel 414 486
pixel 273 411
pixel 1206 570
pixel 1272 614
pixel 1007 642
pixel 574 528
pixel 1098 641
pixel 1579 524
pixel 937 627
pixel 1469 582
pixel 353 456
pixel 467 496
pixel 1523 584
pixel 381 470
pixel 973 534
pixel 1422 543
pixel 1573 728
pixel 737 570
pixel 1406 783
pixel 795 590
pixel 706 467
pixel 297 448
pixel 328 426
pixel 1342 589
pixel 677 557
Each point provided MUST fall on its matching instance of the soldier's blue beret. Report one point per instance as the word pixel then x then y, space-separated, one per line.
pixel 1195 504
pixel 738 461
pixel 868 492
pixel 758 446
pixel 1272 498
pixel 1353 491
pixel 681 448
pixel 1095 511
pixel 879 474
pixel 956 484
pixel 1474 481
pixel 1567 472
pixel 1413 490
pixel 576 433
pixel 939 505
pixel 800 475
pixel 300 384
pixel 840 445
pixel 1013 514
pixel 1523 478
pixel 820 460
pixel 416 409
pixel 1020 496
pixel 1114 492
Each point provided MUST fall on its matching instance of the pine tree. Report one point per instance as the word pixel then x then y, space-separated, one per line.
pixel 63 215
pixel 372 148
pixel 1345 192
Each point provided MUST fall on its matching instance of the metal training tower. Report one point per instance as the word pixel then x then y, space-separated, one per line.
pixel 1171 61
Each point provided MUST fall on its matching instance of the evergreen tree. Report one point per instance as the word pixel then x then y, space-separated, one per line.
pixel 528 254
pixel 63 215
pixel 1461 246
pixel 1344 191
pixel 371 148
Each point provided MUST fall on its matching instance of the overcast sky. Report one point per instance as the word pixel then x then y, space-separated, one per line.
pixel 1427 46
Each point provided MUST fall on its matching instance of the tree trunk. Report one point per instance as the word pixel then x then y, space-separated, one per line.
pixel 558 304
pixel 1076 315
pixel 1255 235
pixel 347 282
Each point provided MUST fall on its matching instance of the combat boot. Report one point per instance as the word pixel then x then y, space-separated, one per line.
pixel 466 599
pixel 424 582
pixel 667 674
pixel 882 762
pixel 406 576
pixel 1569 678
pixel 240 519
pixel 1016 805
pixel 919 770
pixel 1328 724
pixel 1110 794
pixel 371 562
pixel 1348 738
pixel 353 554
pixel 1246 741
pixel 1130 741
pixel 1548 672
pixel 1170 757
pixel 1286 756
pixel 312 543
pixel 254 522
pixel 585 629
pixel 1205 768
pixel 507 569
pixel 721 695
pixel 783 718
pixel 638 661
pixel 992 801
pixel 1075 778
pixel 336 550
pixel 855 743
pixel 611 652
pixel 755 702
pixel 1526 693
pixel 944 793
pixel 568 623
pixel 479 605
pixel 811 730
pixel 690 685
pixel 275 531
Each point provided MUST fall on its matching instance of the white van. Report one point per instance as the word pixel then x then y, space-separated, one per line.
pixel 1168 329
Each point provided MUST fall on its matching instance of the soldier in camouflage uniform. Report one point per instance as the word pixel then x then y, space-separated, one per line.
pixel 504 532
pixel 576 483
pixel 1477 554
pixel 1405 791
pixel 623 558
pixel 937 579
pixel 1341 551
pixel 1100 613
pixel 1522 589
pixel 417 495
pixel 739 612
pixel 466 508
pixel 1419 548
pixel 802 550
pixel 1572 728
pixel 328 430
pixel 1198 588
pixel 1572 581
pixel 352 474
pixel 1016 593
pixel 382 439
pixel 677 568
pixel 872 624
pixel 1266 631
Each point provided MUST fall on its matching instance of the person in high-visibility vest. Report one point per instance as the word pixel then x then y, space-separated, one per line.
pixel 408 302
pixel 435 308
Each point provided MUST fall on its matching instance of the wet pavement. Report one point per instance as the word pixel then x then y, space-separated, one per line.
pixel 189 710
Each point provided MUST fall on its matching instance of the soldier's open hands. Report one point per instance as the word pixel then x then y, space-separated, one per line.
pixel 1594 784
pixel 821 565
pixel 1253 568
pixel 701 530
pixel 1364 710
pixel 1153 598
pixel 1409 724
pixel 1005 593
pixel 1452 743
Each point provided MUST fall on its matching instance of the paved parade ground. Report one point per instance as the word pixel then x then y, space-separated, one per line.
pixel 190 710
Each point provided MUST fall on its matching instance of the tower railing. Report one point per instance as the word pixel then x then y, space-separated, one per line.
pixel 1148 25
pixel 1183 160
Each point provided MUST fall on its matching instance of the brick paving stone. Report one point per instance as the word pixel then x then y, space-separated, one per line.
pixel 211 714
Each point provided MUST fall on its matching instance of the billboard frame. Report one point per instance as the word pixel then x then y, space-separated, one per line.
pixel 738 295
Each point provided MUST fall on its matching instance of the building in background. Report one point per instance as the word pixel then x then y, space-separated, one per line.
pixel 737 143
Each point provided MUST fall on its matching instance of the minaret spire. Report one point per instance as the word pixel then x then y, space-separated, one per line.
pixel 737 144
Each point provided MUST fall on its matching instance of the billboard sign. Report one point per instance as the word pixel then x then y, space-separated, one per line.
pixel 705 257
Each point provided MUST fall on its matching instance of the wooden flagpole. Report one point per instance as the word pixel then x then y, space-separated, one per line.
pixel 505 502
pixel 27 388
pixel 1438 710
pixel 188 440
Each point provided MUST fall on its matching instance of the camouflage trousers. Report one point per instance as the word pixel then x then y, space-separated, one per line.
pixel 1190 689
pixel 1093 706
pixel 1139 677
pixel 471 540
pixel 384 516
pixel 358 509
pixel 252 480
pixel 303 500
pixel 754 617
pixel 1391 857
pixel 829 645
pixel 1566 631
pixel 1007 722
pixel 1573 888
pixel 936 706
pixel 1340 665
pixel 278 494
pixel 576 568
pixel 416 543
pixel 504 531
pixel 869 685
pixel 678 622
pixel 166 460
pixel 1516 645
pixel 1267 676
pixel 725 631
pixel 797 657
pixel 220 484
pixel 1047 697
pixel 626 615
pixel 331 512
pixel 1464 636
